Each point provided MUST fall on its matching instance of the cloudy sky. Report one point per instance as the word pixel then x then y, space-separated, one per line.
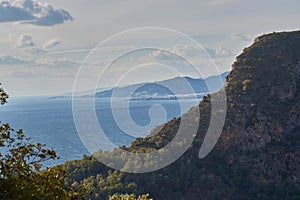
pixel 45 43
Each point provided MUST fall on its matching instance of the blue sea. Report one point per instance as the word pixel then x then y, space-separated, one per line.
pixel 50 121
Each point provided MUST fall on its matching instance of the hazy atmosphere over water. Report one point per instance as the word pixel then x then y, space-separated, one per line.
pixel 44 44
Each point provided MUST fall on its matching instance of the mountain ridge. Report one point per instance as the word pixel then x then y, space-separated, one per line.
pixel 158 90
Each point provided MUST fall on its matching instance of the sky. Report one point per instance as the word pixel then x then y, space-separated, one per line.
pixel 50 46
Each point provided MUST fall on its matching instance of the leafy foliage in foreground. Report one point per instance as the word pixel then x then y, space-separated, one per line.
pixel 20 169
pixel 21 176
pixel 3 96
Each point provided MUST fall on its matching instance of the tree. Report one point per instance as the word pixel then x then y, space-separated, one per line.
pixel 21 175
pixel 3 96
pixel 129 197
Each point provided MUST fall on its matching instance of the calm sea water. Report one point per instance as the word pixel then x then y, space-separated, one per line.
pixel 50 121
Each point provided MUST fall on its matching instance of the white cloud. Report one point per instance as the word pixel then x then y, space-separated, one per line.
pixel 189 52
pixel 161 55
pixel 242 37
pixel 6 59
pixel 62 63
pixel 174 53
pixel 24 41
pixel 32 12
pixel 52 44
pixel 34 51
pixel 11 36
pixel 222 51
pixel 11 60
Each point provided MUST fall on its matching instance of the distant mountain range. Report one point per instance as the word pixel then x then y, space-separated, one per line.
pixel 161 90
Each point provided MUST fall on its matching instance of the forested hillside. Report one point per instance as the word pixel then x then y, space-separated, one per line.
pixel 258 154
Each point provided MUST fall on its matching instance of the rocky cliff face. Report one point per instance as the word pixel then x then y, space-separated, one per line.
pixel 263 92
pixel 263 125
pixel 258 151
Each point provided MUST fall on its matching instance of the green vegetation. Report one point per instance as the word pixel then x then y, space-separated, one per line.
pixel 20 170
pixel 21 176
pixel 128 197
pixel 3 96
